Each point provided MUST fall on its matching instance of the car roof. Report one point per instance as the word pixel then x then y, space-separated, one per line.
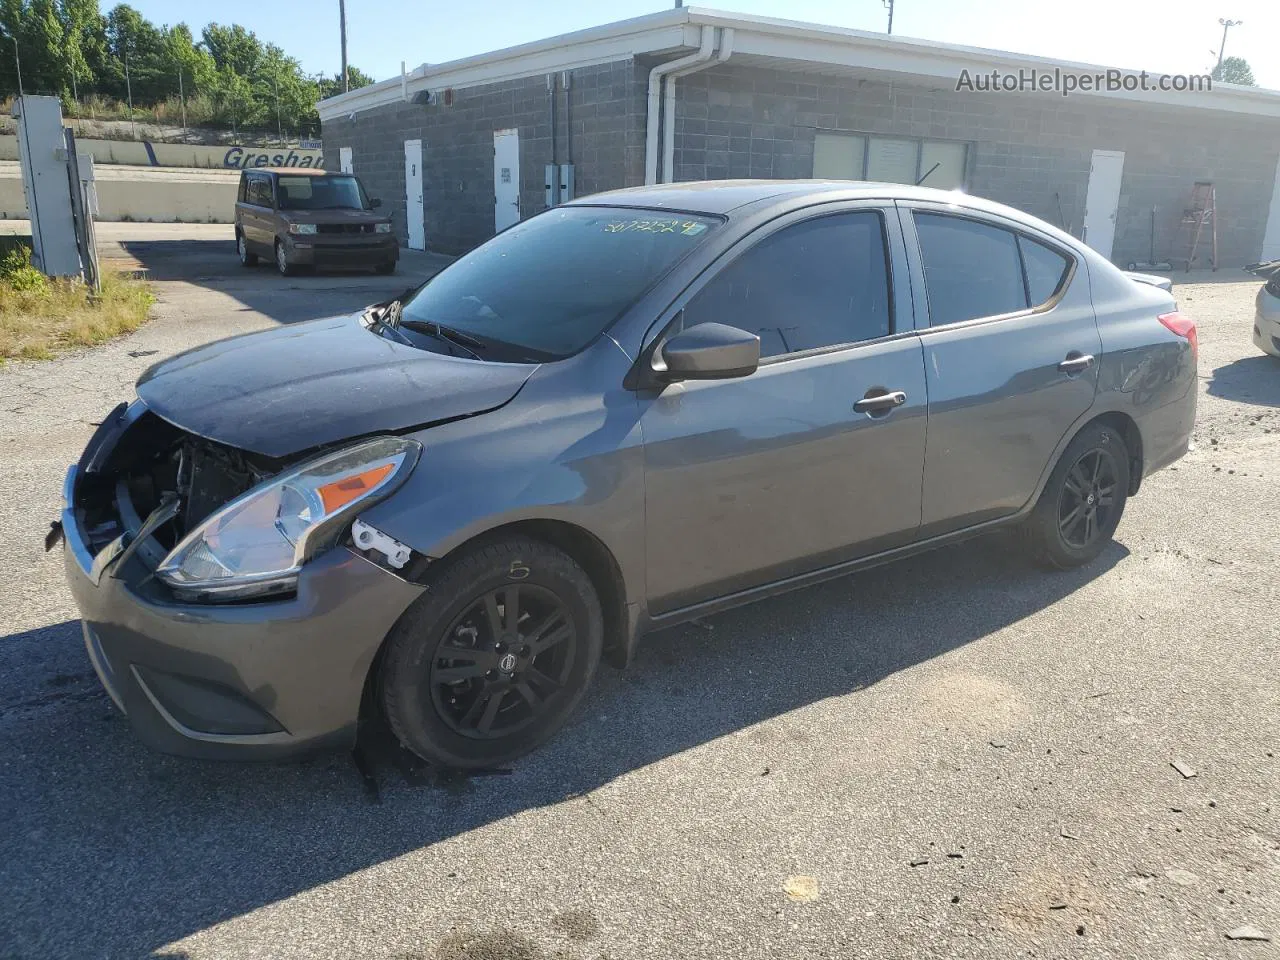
pixel 299 171
pixel 722 197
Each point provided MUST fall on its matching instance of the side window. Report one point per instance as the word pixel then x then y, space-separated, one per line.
pixel 813 284
pixel 971 269
pixel 260 191
pixel 1046 269
pixel 240 190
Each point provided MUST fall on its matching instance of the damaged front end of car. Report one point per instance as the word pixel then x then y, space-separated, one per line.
pixel 201 521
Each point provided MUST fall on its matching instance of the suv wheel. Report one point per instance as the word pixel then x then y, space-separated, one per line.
pixel 247 259
pixel 282 261
pixel 492 660
pixel 1082 503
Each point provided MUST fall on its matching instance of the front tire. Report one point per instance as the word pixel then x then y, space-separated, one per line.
pixel 1081 506
pixel 283 265
pixel 388 267
pixel 493 659
pixel 247 258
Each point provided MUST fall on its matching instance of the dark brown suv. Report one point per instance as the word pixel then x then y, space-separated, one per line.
pixel 311 218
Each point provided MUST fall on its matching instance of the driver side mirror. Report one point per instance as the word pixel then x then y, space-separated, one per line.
pixel 710 351
pixel 374 203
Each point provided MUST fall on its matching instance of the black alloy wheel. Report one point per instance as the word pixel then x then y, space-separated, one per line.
pixel 503 662
pixel 1082 501
pixel 492 659
pixel 1088 499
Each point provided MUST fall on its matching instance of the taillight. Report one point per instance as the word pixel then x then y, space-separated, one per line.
pixel 1184 327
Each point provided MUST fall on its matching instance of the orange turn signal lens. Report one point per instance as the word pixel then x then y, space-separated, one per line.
pixel 338 494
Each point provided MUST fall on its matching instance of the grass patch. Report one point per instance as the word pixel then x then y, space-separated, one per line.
pixel 40 316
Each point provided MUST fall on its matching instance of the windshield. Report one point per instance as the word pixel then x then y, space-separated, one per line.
pixel 321 193
pixel 552 284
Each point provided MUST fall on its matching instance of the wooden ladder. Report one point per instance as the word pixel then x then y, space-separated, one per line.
pixel 1202 212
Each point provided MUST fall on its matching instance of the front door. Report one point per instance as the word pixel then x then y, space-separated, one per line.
pixel 1011 351
pixel 506 179
pixel 344 160
pixel 1102 202
pixel 808 461
pixel 414 212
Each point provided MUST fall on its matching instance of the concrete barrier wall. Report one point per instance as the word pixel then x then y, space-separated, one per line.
pixel 143 194
pixel 144 153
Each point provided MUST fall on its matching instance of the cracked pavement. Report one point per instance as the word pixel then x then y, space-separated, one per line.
pixel 952 756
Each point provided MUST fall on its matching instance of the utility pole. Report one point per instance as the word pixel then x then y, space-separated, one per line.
pixel 183 101
pixel 128 86
pixel 275 83
pixel 342 26
pixel 17 62
pixel 1226 25
pixel 889 4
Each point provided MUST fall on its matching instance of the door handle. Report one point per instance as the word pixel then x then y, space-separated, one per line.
pixel 880 401
pixel 1076 363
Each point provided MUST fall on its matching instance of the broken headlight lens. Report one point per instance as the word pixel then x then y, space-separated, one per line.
pixel 257 543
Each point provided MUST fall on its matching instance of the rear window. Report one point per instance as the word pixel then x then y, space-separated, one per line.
pixel 320 193
pixel 971 269
pixel 553 283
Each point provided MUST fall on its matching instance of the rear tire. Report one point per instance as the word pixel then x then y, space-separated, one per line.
pixel 493 659
pixel 247 258
pixel 1081 506
pixel 388 267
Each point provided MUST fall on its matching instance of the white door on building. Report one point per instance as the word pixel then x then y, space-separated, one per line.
pixel 506 178
pixel 1271 239
pixel 344 160
pixel 414 211
pixel 1102 202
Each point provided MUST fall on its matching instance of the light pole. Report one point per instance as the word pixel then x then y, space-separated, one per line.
pixel 1226 25
pixel 889 4
pixel 17 62
pixel 342 27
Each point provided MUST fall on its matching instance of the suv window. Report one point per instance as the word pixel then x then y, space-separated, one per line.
pixel 813 284
pixel 321 193
pixel 259 191
pixel 1046 269
pixel 971 269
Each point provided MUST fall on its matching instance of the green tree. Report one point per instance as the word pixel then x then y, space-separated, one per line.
pixel 1235 70
pixel 232 48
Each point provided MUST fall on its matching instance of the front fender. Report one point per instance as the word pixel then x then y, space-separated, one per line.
pixel 575 457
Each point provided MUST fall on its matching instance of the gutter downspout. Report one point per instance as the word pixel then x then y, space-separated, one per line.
pixel 655 99
pixel 669 106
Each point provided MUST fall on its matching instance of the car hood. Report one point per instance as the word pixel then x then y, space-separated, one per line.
pixel 337 215
pixel 306 385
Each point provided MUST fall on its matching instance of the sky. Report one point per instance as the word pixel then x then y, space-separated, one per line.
pixel 1171 36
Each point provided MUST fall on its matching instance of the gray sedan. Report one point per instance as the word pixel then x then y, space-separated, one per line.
pixel 626 412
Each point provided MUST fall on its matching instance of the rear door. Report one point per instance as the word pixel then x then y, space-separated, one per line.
pixel 257 214
pixel 1011 353
pixel 806 462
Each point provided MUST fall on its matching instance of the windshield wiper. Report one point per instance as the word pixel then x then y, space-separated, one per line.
pixel 449 335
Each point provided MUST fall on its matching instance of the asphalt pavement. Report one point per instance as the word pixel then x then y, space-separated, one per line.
pixel 954 756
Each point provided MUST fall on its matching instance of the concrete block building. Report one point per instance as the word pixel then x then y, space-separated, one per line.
pixel 460 150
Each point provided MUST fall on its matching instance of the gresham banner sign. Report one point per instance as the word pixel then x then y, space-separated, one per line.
pixel 245 157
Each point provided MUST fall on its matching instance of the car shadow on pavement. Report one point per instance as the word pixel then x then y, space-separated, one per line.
pixel 1253 380
pixel 110 846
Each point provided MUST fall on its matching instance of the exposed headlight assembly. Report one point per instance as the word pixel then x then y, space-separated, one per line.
pixel 257 543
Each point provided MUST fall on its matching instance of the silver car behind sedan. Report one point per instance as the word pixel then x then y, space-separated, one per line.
pixel 1266 323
